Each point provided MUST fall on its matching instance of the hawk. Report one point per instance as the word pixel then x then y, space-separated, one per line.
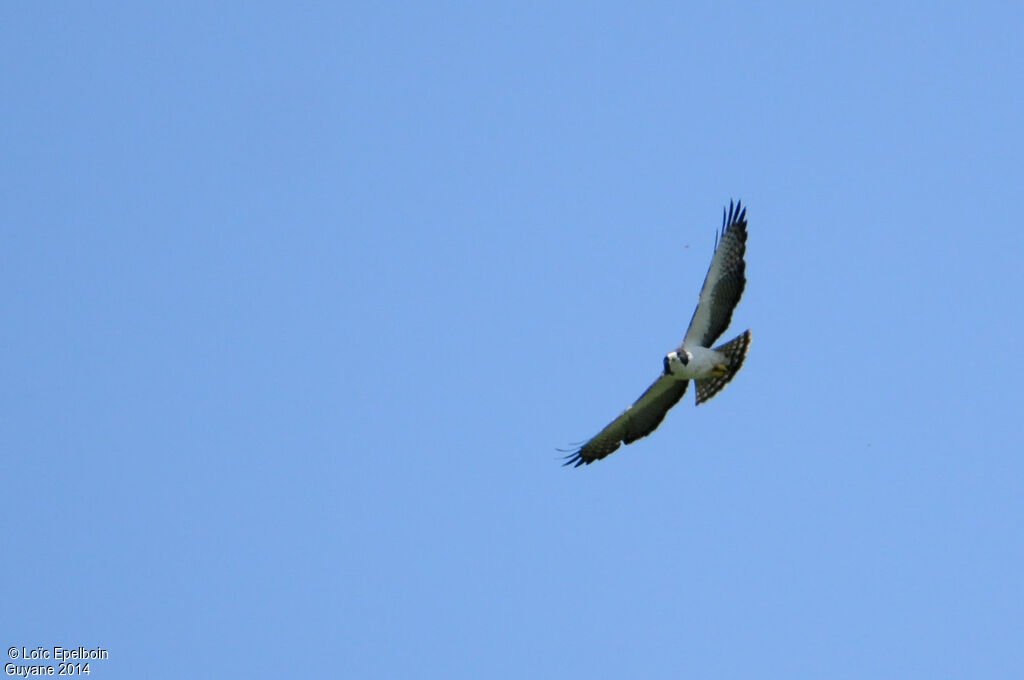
pixel 711 369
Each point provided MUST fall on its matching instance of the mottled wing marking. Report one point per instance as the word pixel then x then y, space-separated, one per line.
pixel 724 283
pixel 639 420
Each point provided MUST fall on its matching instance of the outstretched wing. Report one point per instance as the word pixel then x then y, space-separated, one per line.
pixel 724 282
pixel 639 420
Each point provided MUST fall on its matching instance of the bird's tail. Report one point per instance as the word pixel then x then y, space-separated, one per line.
pixel 735 352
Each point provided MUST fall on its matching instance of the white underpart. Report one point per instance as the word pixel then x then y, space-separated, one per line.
pixel 700 364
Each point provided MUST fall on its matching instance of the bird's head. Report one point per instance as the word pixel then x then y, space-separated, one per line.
pixel 675 357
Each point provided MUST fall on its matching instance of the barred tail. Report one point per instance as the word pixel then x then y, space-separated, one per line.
pixel 735 351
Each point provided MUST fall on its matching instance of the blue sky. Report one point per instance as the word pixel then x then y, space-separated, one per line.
pixel 300 301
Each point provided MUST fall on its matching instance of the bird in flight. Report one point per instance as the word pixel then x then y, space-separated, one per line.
pixel 711 369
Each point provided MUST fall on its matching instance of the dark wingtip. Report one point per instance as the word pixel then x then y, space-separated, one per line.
pixel 737 214
pixel 575 459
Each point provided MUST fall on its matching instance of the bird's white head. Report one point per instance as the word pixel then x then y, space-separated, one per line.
pixel 675 360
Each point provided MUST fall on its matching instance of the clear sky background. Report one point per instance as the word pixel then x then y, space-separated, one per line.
pixel 299 301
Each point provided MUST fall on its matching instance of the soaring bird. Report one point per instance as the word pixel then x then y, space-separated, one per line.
pixel 694 359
